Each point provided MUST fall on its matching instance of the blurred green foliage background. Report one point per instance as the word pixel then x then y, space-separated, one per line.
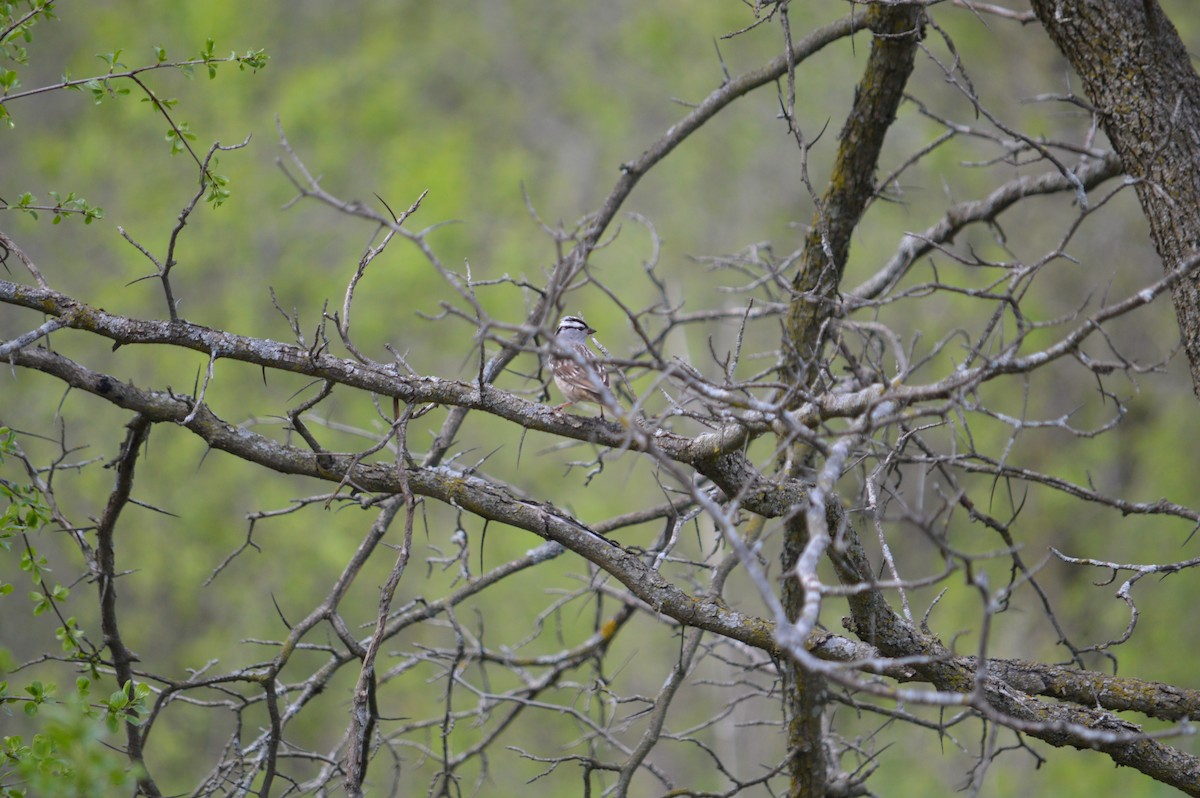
pixel 485 104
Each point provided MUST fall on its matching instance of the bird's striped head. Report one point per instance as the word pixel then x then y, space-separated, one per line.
pixel 574 323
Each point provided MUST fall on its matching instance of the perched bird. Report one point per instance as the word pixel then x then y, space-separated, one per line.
pixel 576 369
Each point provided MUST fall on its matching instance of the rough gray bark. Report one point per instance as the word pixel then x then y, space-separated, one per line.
pixel 1140 80
pixel 816 284
pixel 851 186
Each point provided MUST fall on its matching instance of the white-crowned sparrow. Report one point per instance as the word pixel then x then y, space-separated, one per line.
pixel 576 369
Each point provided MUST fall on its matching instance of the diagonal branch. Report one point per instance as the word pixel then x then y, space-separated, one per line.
pixel 897 30
pixel 468 491
pixel 631 172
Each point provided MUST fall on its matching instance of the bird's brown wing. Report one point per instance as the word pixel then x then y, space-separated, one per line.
pixel 570 372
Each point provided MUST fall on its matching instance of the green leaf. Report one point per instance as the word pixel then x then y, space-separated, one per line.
pixel 111 60
pixel 33 563
pixel 254 59
pixel 97 90
pixel 70 636
pixel 218 189
pixel 118 700
pixel 40 603
pixel 43 746
pixel 177 137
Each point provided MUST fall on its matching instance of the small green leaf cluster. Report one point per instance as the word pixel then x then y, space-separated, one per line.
pixel 253 59
pixel 16 24
pixel 178 137
pixel 126 705
pixel 62 207
pixel 25 508
pixel 115 83
pixel 218 186
pixel 17 21
pixel 26 512
pixel 69 755
pixel 99 88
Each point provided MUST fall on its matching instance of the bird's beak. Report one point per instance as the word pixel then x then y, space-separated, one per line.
pixel 590 331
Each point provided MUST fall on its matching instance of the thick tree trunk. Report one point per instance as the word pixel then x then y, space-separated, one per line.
pixel 1138 75
pixel 851 186
pixel 803 692
pixel 815 286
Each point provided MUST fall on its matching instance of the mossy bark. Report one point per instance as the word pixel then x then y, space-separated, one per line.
pixel 897 30
pixel 1140 80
